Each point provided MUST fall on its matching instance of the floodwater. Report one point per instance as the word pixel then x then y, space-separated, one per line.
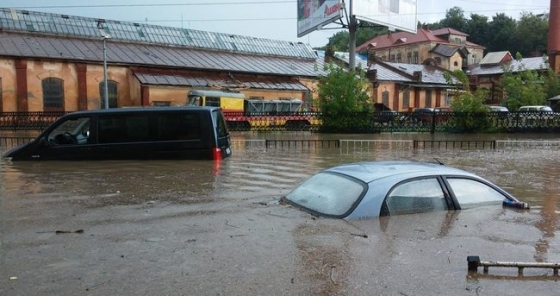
pixel 205 228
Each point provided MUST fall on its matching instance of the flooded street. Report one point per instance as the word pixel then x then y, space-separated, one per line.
pixel 205 228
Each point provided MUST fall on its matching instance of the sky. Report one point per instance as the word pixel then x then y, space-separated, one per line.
pixel 273 19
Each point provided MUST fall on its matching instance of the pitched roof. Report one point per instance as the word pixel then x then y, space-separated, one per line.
pixel 27 45
pixel 495 58
pixel 211 80
pixel 359 59
pixel 445 50
pixel 448 31
pixel 389 40
pixel 421 36
pixel 404 73
pixel 92 28
pixel 532 64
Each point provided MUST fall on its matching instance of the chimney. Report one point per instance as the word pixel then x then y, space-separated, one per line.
pixel 329 55
pixel 417 76
pixel 553 49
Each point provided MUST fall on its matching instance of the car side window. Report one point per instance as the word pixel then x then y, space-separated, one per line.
pixel 416 196
pixel 470 193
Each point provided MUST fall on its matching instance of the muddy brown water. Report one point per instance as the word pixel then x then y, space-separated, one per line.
pixel 201 228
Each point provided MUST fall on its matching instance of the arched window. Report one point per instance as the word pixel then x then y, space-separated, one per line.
pixel 385 98
pixel 53 94
pixel 113 94
pixel 406 98
pixel 428 98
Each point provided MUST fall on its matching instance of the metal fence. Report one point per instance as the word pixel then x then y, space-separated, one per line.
pixel 375 122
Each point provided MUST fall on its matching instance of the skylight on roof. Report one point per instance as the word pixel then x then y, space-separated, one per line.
pixel 76 26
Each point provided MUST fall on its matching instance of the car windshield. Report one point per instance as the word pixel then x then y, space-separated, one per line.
pixel 328 194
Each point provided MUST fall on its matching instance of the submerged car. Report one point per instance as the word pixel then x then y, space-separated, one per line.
pixel 381 188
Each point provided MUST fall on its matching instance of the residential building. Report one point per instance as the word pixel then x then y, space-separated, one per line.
pixel 404 87
pixel 446 48
pixel 488 72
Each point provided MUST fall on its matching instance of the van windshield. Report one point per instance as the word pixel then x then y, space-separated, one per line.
pixel 220 123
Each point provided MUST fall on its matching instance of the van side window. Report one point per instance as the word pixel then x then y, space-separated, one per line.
pixel 213 101
pixel 112 129
pixel 179 127
pixel 149 127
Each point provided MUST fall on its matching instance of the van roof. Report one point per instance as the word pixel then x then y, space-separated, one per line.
pixel 147 109
pixel 534 107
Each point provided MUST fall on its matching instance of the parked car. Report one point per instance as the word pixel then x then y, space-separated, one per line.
pixel 536 115
pixel 422 115
pixel 132 133
pixel 372 189
pixel 386 116
pixel 427 115
pixel 499 112
pixel 535 109
pixel 498 109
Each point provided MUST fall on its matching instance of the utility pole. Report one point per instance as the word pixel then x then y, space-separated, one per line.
pixel 105 84
pixel 352 28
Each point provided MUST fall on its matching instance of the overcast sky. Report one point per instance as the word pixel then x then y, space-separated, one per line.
pixel 274 19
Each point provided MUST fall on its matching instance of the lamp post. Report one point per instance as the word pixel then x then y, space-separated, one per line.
pixel 105 86
pixel 101 28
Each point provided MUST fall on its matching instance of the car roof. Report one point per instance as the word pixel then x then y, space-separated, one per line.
pixel 537 107
pixel 371 171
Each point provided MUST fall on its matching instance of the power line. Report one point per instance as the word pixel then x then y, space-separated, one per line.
pixel 293 18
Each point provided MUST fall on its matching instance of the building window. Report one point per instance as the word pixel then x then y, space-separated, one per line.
pixel 415 57
pixel 409 58
pixel 438 60
pixel 456 64
pixel 448 99
pixel 392 58
pixel 428 98
pixel 1 101
pixel 406 98
pixel 385 98
pixel 399 59
pixel 113 93
pixel 53 94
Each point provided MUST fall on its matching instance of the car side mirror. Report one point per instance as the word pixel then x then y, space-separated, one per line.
pixel 43 142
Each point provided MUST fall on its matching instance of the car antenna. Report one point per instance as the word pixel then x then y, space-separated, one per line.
pixel 441 163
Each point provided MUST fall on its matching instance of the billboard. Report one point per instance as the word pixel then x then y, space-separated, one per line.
pixel 395 14
pixel 313 14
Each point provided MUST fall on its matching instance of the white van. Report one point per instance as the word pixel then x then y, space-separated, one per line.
pixel 535 109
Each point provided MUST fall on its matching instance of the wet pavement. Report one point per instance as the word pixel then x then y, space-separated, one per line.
pixel 200 228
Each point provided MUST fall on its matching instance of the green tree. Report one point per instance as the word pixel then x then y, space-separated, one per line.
pixel 339 41
pixel 531 35
pixel 522 86
pixel 341 95
pixel 501 34
pixel 468 107
pixel 454 18
pixel 478 28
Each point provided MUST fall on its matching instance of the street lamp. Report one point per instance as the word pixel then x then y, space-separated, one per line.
pixel 105 36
